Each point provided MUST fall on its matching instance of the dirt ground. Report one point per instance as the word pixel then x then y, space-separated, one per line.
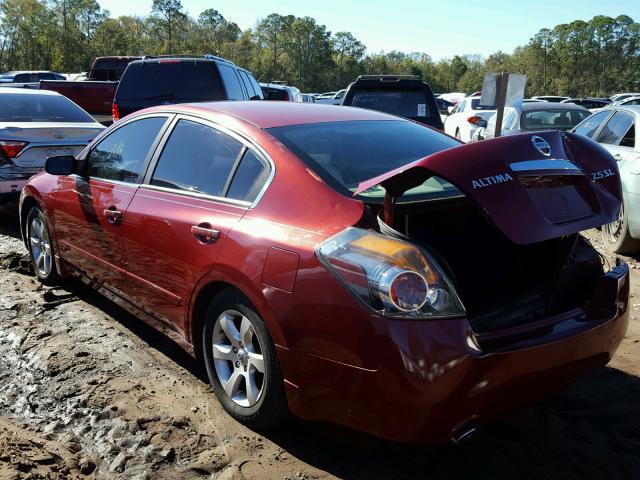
pixel 88 391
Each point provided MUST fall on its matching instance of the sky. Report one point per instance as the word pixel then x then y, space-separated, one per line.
pixel 440 28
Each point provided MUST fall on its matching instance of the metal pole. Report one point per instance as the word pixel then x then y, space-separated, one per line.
pixel 501 97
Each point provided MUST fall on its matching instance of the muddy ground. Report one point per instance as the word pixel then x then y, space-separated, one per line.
pixel 88 391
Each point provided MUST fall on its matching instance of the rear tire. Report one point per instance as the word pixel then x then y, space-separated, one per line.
pixel 241 362
pixel 40 246
pixel 616 236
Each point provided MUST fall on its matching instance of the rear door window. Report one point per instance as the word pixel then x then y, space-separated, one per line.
pixel 122 154
pixel 249 178
pixel 197 158
pixel 248 84
pixel 619 130
pixel 410 103
pixel 231 82
pixel 171 80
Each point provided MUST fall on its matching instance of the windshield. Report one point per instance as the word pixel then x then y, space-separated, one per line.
pixel 18 107
pixel 346 153
pixel 410 103
pixel 556 119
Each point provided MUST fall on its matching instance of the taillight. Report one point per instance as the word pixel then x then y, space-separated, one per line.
pixel 393 277
pixel 11 148
pixel 115 111
pixel 474 120
pixel 285 96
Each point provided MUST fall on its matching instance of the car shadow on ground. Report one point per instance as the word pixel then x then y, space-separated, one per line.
pixel 9 224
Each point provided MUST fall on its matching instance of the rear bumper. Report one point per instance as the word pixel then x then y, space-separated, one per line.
pixel 434 382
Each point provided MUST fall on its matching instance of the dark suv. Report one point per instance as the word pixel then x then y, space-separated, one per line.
pixel 403 95
pixel 167 80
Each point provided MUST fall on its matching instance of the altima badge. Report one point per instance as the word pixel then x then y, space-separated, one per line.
pixel 541 145
pixel 59 134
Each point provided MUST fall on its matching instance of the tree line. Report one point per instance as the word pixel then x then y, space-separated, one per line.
pixel 582 58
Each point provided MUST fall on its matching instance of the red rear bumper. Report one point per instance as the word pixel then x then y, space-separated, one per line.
pixel 433 383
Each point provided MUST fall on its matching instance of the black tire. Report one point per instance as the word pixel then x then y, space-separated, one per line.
pixel 47 276
pixel 616 236
pixel 271 408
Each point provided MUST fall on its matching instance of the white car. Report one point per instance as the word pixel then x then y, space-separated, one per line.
pixel 616 129
pixel 621 96
pixel 536 116
pixel 34 125
pixel 463 120
pixel 331 98
pixel 550 98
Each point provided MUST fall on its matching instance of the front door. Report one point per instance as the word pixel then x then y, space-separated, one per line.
pixel 91 205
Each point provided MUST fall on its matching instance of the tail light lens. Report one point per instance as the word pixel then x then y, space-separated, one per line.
pixel 474 120
pixel 115 111
pixel 12 148
pixel 391 276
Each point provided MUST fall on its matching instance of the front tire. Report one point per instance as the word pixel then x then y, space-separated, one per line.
pixel 40 247
pixel 241 362
pixel 616 236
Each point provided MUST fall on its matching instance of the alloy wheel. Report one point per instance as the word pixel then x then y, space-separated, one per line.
pixel 40 246
pixel 238 359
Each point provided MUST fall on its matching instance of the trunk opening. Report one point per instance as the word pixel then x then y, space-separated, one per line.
pixel 501 284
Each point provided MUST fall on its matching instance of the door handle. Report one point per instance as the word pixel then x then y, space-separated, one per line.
pixel 113 216
pixel 617 156
pixel 204 233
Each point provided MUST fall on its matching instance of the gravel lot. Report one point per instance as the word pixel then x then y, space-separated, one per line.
pixel 88 391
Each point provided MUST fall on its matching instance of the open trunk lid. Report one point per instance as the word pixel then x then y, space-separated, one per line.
pixel 534 187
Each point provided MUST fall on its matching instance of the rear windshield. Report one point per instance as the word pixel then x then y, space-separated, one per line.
pixel 274 94
pixel 410 103
pixel 346 153
pixel 170 80
pixel 16 107
pixel 475 105
pixel 552 119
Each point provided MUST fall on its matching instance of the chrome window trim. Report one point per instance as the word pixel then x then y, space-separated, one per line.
pixel 244 140
pixel 203 196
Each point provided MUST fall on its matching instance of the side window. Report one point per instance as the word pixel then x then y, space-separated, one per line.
pixel 589 127
pixel 247 83
pixel 249 178
pixel 461 106
pixel 617 130
pixel 196 158
pixel 256 85
pixel 231 82
pixel 122 154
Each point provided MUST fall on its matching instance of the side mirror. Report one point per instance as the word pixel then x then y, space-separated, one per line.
pixel 481 123
pixel 60 165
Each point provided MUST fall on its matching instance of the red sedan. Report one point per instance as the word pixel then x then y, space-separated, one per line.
pixel 342 264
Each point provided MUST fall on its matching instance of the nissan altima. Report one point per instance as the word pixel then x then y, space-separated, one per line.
pixel 342 264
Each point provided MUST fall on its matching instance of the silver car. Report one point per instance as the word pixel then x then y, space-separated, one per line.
pixel 34 125
pixel 533 117
pixel 617 130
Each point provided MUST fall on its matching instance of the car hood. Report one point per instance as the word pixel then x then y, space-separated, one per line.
pixel 534 187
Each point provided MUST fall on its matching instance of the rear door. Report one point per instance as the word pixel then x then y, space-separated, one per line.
pixel 201 182
pixel 91 205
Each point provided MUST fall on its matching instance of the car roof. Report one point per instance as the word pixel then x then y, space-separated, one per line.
pixel 264 114
pixel 550 106
pixel 28 91
pixel 629 108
